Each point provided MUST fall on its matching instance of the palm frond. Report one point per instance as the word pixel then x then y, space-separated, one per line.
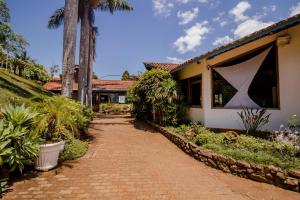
pixel 57 19
pixel 114 5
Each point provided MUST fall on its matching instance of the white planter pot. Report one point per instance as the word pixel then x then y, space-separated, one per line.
pixel 48 156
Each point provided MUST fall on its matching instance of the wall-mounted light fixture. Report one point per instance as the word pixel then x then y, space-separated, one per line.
pixel 283 40
pixel 208 66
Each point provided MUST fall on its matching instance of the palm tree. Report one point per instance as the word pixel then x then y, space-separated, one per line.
pixel 86 16
pixel 90 72
pixel 69 46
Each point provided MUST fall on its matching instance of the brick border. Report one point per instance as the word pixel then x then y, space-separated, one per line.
pixel 262 173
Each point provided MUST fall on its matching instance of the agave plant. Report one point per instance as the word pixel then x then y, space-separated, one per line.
pixel 19 144
pixel 254 119
pixel 18 116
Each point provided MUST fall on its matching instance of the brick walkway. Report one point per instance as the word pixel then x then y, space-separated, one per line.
pixel 127 160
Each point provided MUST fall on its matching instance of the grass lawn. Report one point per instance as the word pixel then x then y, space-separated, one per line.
pixel 15 87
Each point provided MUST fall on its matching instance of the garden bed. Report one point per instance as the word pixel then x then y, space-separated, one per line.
pixel 249 157
pixel 114 108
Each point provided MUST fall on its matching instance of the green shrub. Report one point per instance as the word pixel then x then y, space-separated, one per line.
pixel 155 96
pixel 114 107
pixel 74 148
pixel 19 144
pixel 60 118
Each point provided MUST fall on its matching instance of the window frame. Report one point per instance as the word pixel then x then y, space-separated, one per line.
pixel 190 82
pixel 270 44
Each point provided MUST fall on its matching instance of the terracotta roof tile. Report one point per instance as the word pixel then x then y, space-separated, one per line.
pixel 165 66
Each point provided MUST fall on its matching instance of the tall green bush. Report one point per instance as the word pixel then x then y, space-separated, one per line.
pixel 155 96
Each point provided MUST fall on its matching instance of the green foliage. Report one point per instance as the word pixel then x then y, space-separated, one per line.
pixel 60 118
pixel 18 143
pixel 127 77
pixel 54 70
pixel 183 128
pixel 4 12
pixel 13 51
pixel 254 119
pixel 95 76
pixel 74 148
pixel 248 148
pixel 293 121
pixel 3 186
pixel 115 108
pixel 10 41
pixel 15 88
pixel 156 93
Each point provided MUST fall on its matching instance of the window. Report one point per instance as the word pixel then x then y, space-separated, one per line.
pixel 192 90
pixel 250 80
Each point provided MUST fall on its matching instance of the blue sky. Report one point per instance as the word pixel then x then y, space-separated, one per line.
pixel 157 30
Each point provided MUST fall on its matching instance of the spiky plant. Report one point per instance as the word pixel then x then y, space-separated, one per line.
pixel 19 144
pixel 58 119
pixel 254 119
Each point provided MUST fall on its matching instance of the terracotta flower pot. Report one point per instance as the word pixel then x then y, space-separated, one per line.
pixel 48 156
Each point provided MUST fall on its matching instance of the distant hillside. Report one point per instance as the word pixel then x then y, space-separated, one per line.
pixel 12 86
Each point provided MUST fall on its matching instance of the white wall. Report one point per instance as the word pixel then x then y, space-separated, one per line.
pixel 195 115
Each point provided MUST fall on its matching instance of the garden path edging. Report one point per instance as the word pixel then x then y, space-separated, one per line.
pixel 262 173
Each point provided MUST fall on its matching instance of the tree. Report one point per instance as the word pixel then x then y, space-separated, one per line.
pixel 95 76
pixel 10 42
pixel 86 17
pixel 69 46
pixel 156 94
pixel 125 75
pixel 54 70
pixel 90 72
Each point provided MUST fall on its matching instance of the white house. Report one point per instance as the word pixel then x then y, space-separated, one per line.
pixel 259 70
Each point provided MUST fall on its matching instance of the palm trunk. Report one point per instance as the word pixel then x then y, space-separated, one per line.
pixel 69 46
pixel 84 53
pixel 90 69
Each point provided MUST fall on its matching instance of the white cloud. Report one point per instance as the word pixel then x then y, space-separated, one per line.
pixel 265 12
pixel 216 19
pixel 192 39
pixel 187 16
pixel 162 7
pixel 183 1
pixel 295 9
pixel 249 26
pixel 239 11
pixel 175 60
pixel 203 1
pixel 223 23
pixel 222 40
pixel 273 8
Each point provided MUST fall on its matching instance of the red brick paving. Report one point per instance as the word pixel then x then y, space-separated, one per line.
pixel 127 160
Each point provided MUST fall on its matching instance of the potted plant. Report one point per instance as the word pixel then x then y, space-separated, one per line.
pixel 57 122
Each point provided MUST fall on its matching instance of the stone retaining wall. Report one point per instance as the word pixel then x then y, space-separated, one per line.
pixel 261 173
